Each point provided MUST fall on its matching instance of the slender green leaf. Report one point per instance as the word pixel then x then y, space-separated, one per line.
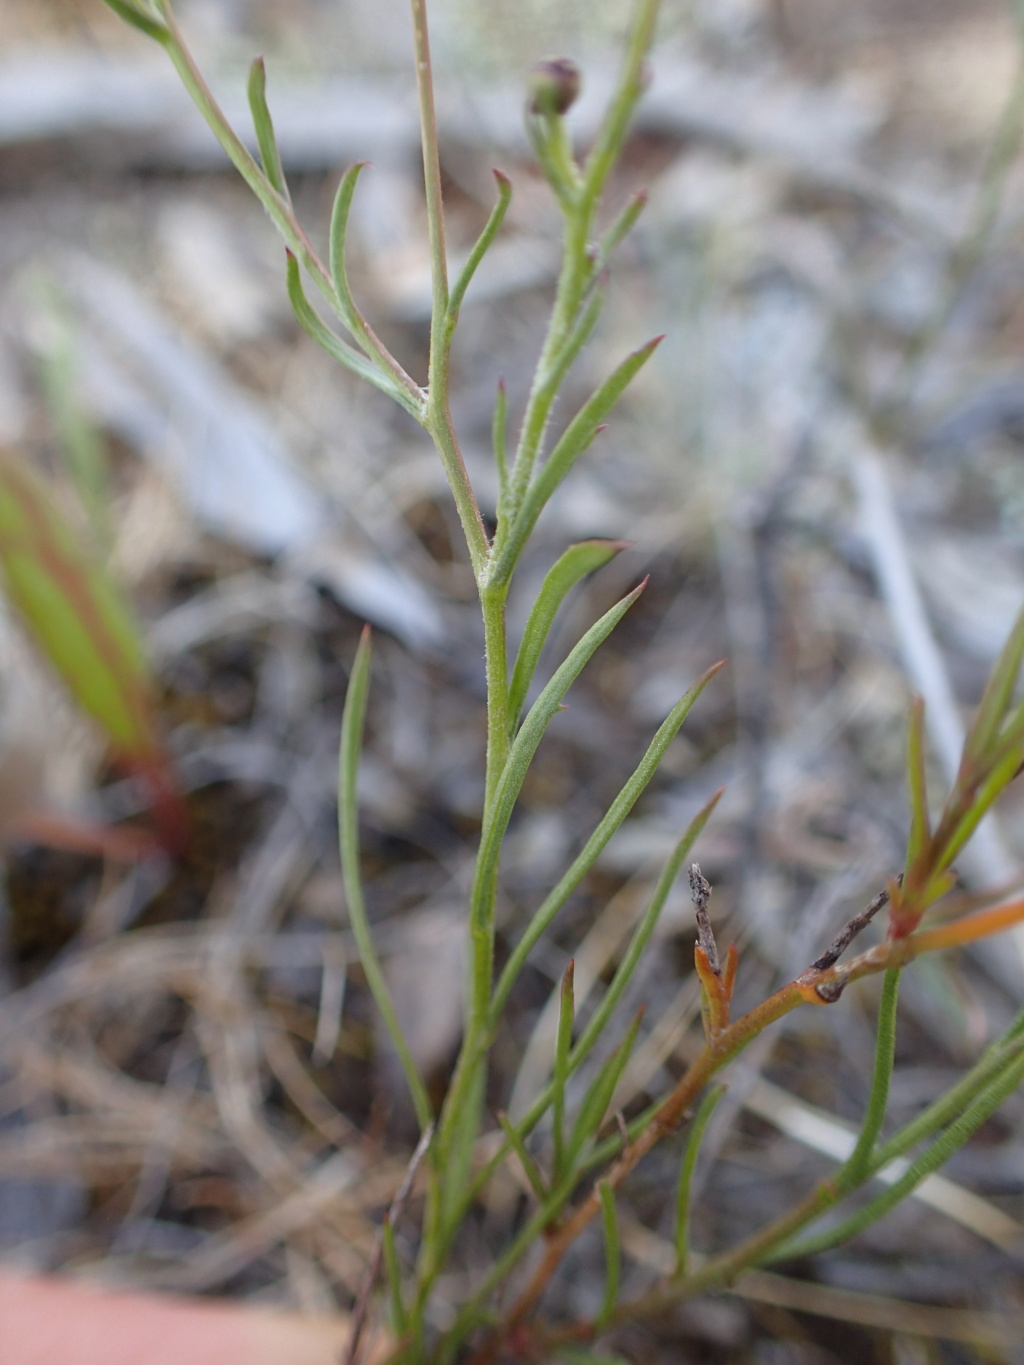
pixel 74 611
pixel 573 442
pixel 980 803
pixel 499 440
pixel 935 1156
pixel 542 396
pixel 340 350
pixel 599 1096
pixel 531 732
pixel 352 721
pixel 530 1167
pixel 563 1044
pixel 612 1253
pixel 263 124
pixel 339 233
pixel 138 18
pixel 686 1170
pixel 998 695
pixel 630 86
pixel 80 621
pixel 957 1098
pixel 393 1274
pixel 386 372
pixel 642 934
pixel 619 230
pixel 598 841
pixel 920 825
pixel 577 561
pixel 480 248
pixel 878 1100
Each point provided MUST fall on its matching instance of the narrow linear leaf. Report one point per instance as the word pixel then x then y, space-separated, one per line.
pixel 384 365
pixel 577 561
pixel 563 1044
pixel 599 1096
pixel 263 125
pixel 686 1171
pixel 480 248
pixel 531 732
pixel 530 1167
pixel 920 825
pixel 957 1098
pixel 598 841
pixel 339 234
pixel 624 973
pixel 952 840
pixel 612 1253
pixel 934 1157
pixel 352 722
pixel 338 349
pixel 81 623
pixel 573 442
pixel 542 397
pixel 607 1148
pixel 998 695
pixel 642 934
pixel 611 134
pixel 74 610
pixel 878 1100
pixel 393 1274
pixel 145 23
pixel 619 230
pixel 499 441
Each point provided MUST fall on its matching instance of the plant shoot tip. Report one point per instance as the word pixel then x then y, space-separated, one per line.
pixel 554 87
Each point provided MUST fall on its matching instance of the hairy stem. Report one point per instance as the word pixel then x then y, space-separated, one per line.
pixel 439 417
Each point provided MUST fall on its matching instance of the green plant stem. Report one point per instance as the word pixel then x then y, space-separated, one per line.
pixel 935 1156
pixel 579 194
pixel 591 851
pixel 718 1052
pixel 946 1108
pixel 963 1108
pixel 438 416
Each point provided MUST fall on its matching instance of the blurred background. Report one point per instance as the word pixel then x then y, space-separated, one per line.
pixel 821 470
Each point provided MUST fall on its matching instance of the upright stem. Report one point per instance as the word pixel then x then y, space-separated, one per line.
pixel 459 1123
pixel 431 165
pixel 439 417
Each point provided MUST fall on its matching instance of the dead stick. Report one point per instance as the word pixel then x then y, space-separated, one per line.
pixel 361 1311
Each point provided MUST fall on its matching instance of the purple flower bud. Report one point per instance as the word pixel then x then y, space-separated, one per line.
pixel 554 86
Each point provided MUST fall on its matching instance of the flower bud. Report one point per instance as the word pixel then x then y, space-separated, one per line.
pixel 554 86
